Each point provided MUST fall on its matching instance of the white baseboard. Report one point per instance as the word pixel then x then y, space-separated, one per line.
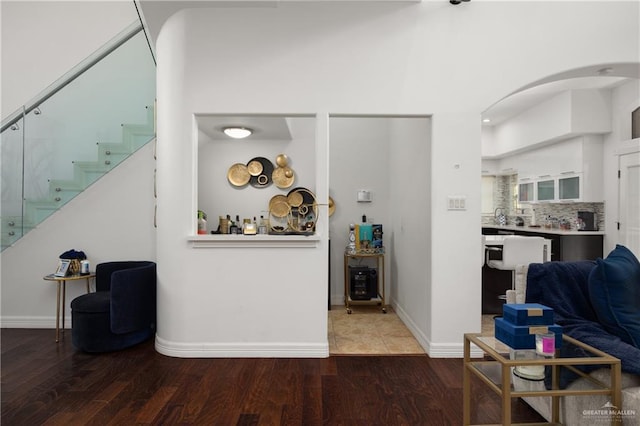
pixel 434 350
pixel 31 322
pixel 241 350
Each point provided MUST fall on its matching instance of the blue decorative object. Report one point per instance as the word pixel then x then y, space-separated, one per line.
pixel 527 314
pixel 614 291
pixel 122 311
pixel 73 254
pixel 524 336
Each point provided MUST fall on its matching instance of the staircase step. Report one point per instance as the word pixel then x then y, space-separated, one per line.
pixel 12 230
pixel 136 135
pixel 63 191
pixel 110 153
pixel 87 172
pixel 37 211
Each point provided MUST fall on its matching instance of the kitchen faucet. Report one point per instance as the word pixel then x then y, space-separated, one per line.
pixel 500 219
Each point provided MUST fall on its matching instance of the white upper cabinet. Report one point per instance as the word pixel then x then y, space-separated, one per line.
pixel 566 171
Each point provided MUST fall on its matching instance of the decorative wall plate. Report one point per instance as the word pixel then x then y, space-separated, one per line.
pixel 255 167
pixel 280 209
pixel 283 177
pixel 238 175
pixel 260 169
pixel 294 199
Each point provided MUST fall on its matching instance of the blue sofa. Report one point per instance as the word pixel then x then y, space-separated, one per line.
pixel 122 311
pixel 598 303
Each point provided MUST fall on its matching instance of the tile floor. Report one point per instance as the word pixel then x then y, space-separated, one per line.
pixel 367 331
pixel 487 324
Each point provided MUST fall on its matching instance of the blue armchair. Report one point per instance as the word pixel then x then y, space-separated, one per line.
pixel 122 311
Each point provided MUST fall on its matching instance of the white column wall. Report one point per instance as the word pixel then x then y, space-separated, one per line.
pixel 411 217
pixel 624 100
pixel 427 58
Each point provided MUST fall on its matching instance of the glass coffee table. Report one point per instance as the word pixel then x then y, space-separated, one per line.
pixel 494 369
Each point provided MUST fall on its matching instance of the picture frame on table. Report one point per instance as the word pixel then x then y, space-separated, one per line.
pixel 63 268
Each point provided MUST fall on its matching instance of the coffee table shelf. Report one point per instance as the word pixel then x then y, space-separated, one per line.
pixel 494 370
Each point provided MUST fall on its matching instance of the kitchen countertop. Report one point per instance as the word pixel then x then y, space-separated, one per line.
pixel 542 230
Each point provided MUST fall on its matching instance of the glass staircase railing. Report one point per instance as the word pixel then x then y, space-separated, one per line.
pixel 76 131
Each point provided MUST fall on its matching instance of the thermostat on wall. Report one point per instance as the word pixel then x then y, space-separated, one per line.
pixel 364 196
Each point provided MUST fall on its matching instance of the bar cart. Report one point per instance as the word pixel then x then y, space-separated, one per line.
pixel 363 285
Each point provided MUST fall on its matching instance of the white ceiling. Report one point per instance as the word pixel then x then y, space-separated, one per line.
pixel 519 102
pixel 263 127
pixel 599 76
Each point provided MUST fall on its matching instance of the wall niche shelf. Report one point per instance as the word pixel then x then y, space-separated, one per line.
pixel 254 241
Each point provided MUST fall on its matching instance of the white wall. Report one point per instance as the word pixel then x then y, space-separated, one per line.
pixel 112 220
pixel 427 58
pixel 42 40
pixel 411 238
pixel 625 99
pixel 359 148
pixel 565 115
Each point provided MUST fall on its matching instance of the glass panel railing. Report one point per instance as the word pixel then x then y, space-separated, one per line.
pixel 77 134
pixel 11 155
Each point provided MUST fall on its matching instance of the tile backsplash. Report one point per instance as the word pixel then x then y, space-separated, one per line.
pixel 505 198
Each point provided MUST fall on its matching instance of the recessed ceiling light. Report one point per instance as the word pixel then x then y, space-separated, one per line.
pixel 605 71
pixel 237 132
pixel 486 120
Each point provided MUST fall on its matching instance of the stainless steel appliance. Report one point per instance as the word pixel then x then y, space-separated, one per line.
pixel 587 221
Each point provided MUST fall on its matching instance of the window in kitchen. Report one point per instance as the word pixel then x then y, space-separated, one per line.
pixel 488 186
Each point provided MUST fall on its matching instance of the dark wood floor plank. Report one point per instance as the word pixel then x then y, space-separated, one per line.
pixel 44 383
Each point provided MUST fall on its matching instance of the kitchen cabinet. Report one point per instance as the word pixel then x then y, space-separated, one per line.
pixel 570 170
pixel 525 191
pixel 569 187
pixel 546 188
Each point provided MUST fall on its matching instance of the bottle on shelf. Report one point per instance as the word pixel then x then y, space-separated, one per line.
pixel 229 224
pixel 351 247
pixel 202 222
pixel 248 227
pixel 233 228
pixel 262 228
pixel 366 233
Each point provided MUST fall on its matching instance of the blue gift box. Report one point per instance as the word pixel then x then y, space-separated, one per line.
pixel 524 336
pixel 527 314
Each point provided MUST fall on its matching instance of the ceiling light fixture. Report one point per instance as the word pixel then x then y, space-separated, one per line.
pixel 486 120
pixel 605 71
pixel 237 132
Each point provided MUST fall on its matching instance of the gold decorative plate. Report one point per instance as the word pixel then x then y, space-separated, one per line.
pixel 283 177
pixel 238 175
pixel 294 199
pixel 282 160
pixel 280 209
pixel 254 167
pixel 277 199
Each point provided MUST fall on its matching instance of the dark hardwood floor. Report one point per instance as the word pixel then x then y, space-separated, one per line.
pixel 44 383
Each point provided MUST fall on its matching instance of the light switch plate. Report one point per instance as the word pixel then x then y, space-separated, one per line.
pixel 456 202
pixel 364 196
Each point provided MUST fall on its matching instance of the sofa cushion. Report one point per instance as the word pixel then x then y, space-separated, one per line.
pixel 614 291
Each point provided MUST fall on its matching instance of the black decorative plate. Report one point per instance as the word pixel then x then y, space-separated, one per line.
pixel 263 178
